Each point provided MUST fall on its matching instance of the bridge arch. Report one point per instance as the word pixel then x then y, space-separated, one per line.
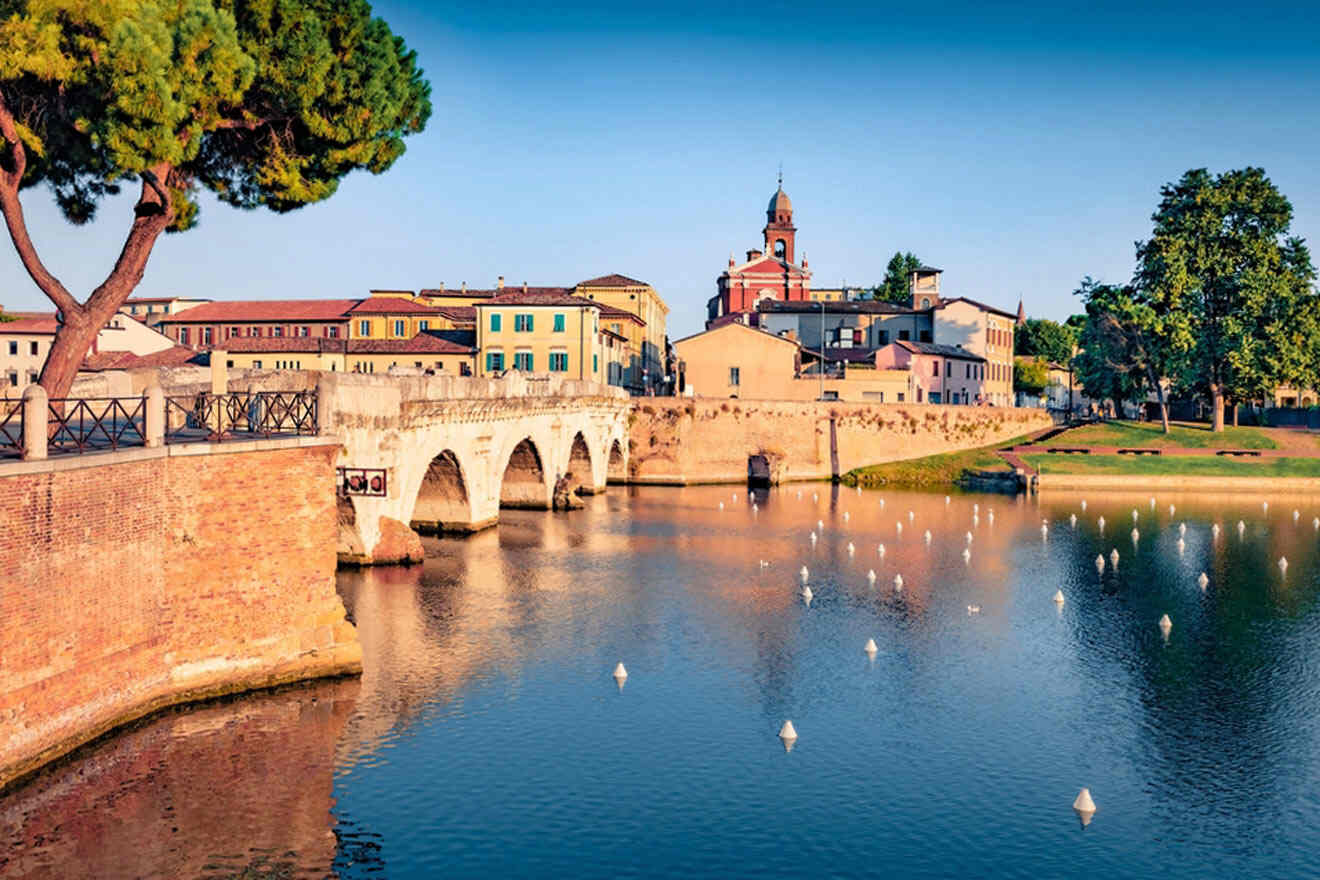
pixel 524 482
pixel 579 465
pixel 618 463
pixel 443 502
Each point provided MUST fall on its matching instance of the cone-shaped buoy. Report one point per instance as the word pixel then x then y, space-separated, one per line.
pixel 620 673
pixel 1084 804
pixel 870 647
pixel 851 548
pixel 1265 506
pixel 967 555
pixel 898 582
pixel 1058 597
pixel 1083 505
pixel 1181 546
pixel 859 490
pixel 870 575
pixel 755 507
pixel 976 520
pixel 976 508
pixel 787 733
pixel 1171 509
pixel 815 497
pixel 1214 530
pixel 946 499
pixel 927 536
pixel 880 548
pixel 735 497
pixel 1242 527
pixel 969 537
pixel 813 539
pixel 1297 514
pixel 1135 536
pixel 1152 502
pixel 820 524
pixel 899 527
pixel 1072 520
pixel 992 518
pixel 911 516
pixel 1134 514
pixel 1283 563
pixel 882 504
pixel 803 572
pixel 1202 581
pixel 807 595
pixel 1165 623
pixel 1315 523
pixel 1100 564
pixel 1113 557
pixel 1102 523
pixel 721 505
pixel 1044 530
pixel 1182 528
pixel 845 516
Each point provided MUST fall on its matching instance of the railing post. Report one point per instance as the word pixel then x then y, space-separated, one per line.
pixel 36 409
pixel 154 417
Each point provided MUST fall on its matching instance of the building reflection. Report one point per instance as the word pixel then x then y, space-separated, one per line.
pixel 239 788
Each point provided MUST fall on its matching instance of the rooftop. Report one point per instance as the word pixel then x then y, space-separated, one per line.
pixel 614 280
pixel 980 305
pixel 858 306
pixel 949 351
pixel 31 325
pixel 238 311
pixel 175 356
pixel 426 342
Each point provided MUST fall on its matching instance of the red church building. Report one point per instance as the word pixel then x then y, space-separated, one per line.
pixel 767 274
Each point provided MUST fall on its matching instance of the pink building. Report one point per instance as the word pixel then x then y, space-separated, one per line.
pixel 940 373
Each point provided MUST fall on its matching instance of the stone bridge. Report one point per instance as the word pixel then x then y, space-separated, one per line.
pixel 455 450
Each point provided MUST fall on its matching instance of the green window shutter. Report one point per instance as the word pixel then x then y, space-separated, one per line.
pixel 495 323
pixel 559 323
pixel 530 323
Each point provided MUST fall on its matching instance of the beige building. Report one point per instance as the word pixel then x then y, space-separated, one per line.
pixel 982 330
pixel 150 309
pixel 122 343
pixel 448 352
pixel 644 370
pixel 546 332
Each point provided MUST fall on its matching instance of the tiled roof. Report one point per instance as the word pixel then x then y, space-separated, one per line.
pixel 540 296
pixel 614 280
pixel 393 305
pixel 851 355
pixel 979 305
pixel 175 356
pixel 426 342
pixel 924 268
pixel 951 351
pixel 30 325
pixel 280 345
pixel 864 306
pixel 456 292
pixel 612 312
pixel 461 314
pixel 165 299
pixel 239 311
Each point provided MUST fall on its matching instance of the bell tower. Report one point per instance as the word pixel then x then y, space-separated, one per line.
pixel 779 230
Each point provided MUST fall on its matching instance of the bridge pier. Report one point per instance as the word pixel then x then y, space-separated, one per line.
pixel 457 450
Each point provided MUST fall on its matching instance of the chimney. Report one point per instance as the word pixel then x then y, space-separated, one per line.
pixel 753 254
pixel 524 287
pixel 500 283
pixel 442 287
pixel 464 287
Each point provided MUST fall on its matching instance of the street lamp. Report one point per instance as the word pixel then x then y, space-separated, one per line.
pixel 821 365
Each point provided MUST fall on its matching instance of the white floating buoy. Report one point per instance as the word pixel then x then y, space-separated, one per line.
pixel 815 497
pixel 1283 563
pixel 1135 535
pixel 967 555
pixel 721 505
pixel 976 508
pixel 880 548
pixel 1182 528
pixel 976 519
pixel 898 526
pixel 882 504
pixel 1084 804
pixel 870 575
pixel 735 497
pixel 813 539
pixel 1072 520
pixel 1315 523
pixel 619 672
pixel 1113 557
pixel 803 572
pixel 927 536
pixel 973 609
pixel 1165 623
pixel 992 518
pixel 820 524
pixel 1152 502
pixel 1171 509
pixel 1083 505
pixel 1101 523
pixel 898 582
pixel 1058 594
pixel 1202 581
pixel 1181 546
pixel 859 490
pixel 946 499
pixel 1100 564
pixel 1242 527
pixel 799 494
pixel 851 548
pixel 755 507
pixel 1265 506
pixel 969 537
pixel 787 736
pixel 911 516
pixel 1044 530
pixel 807 595
pixel 870 647
pixel 1297 514
pixel 1134 514
pixel 1214 530
pixel 845 516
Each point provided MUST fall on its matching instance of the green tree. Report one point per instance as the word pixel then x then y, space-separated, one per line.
pixel 1041 337
pixel 262 102
pixel 1228 282
pixel 1126 343
pixel 1030 375
pixel 896 288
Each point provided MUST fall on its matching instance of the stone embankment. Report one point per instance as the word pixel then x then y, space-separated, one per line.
pixel 138 579
pixel 715 440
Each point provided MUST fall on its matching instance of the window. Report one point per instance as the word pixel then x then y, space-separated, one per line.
pixel 558 359
pixel 206 336
pixel 522 323
pixel 934 397
pixel 32 377
pixel 33 348
pixel 884 337
pixel 522 360
pixel 905 335
pixel 277 331
pixel 364 328
pixel 304 331
pixel 936 370
pixel 494 359
pixel 559 323
pixel 183 336
pixel 901 397
pixel 331 332
pixel 229 364
pixel 918 394
pixel 13 348
pixel 734 376
pixel 417 364
pixel 256 365
pixel 440 366
pixel 925 302
pixel 13 379
pixel 617 328
pixel 423 324
pixel 595 363
pixel 925 336
pixel 495 323
pixel 948 369
pixel 400 327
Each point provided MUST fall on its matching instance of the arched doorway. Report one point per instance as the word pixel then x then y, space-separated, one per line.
pixel 524 479
pixel 442 501
pixel 758 470
pixel 579 466
pixel 616 471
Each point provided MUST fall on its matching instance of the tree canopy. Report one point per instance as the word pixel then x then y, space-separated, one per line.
pixel 1124 350
pixel 1231 287
pixel 1041 337
pixel 264 103
pixel 896 288
pixel 1030 375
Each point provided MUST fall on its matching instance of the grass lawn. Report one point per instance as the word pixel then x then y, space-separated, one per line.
pixel 1153 465
pixel 1187 434
pixel 932 470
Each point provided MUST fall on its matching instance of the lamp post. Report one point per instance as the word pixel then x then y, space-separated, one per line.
pixel 821 365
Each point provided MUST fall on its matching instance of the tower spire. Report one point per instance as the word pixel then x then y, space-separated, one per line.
pixel 781 175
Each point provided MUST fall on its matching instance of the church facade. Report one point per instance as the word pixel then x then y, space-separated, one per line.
pixel 769 274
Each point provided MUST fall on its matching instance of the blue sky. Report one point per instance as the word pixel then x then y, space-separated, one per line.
pixel 1017 147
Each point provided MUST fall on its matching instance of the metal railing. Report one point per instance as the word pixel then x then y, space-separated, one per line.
pixel 92 424
pixel 11 428
pixel 239 416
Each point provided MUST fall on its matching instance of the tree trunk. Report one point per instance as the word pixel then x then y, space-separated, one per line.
pixel 1235 413
pixel 1159 395
pixel 72 342
pixel 1216 408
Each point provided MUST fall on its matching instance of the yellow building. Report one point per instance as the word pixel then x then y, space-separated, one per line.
pixel 545 331
pixel 644 370
pixel 448 352
pixel 396 314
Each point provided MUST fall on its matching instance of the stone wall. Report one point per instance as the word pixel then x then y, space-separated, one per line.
pixel 709 440
pixel 134 580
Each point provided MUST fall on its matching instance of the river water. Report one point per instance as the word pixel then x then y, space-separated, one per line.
pixel 487 737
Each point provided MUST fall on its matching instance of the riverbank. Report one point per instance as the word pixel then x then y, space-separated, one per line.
pixel 946 469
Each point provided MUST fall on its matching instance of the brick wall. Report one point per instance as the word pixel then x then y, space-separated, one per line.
pixel 708 440
pixel 159 576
